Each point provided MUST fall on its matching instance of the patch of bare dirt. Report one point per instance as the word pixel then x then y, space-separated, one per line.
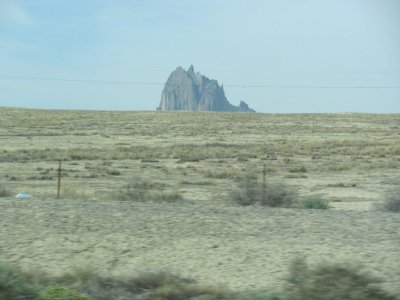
pixel 243 248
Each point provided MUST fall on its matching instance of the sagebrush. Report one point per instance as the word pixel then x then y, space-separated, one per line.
pixel 314 203
pixel 250 191
pixel 14 284
pixel 145 286
pixel 332 282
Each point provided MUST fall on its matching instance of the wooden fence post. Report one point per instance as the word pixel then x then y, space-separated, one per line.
pixel 59 179
pixel 264 183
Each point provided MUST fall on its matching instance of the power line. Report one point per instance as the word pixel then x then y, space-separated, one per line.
pixel 227 85
pixel 313 87
pixel 79 80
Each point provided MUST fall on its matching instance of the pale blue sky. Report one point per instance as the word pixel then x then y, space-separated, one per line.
pixel 307 43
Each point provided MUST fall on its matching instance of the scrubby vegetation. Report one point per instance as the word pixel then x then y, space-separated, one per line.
pixel 314 203
pixel 251 191
pixel 332 282
pixel 322 282
pixel 140 190
pixel 292 146
pixel 15 285
pixel 87 285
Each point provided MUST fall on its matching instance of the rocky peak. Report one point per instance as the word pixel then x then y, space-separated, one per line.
pixel 191 70
pixel 190 91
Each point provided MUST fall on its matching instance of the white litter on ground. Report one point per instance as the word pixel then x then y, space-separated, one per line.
pixel 23 196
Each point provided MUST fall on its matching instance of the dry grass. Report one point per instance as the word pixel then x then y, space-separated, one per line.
pixel 348 159
pixel 103 150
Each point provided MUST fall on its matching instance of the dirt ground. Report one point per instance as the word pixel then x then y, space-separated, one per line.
pixel 242 248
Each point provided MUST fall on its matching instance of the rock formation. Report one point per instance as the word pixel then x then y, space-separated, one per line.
pixel 190 91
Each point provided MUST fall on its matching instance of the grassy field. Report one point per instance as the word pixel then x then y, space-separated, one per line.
pixel 343 157
pixel 187 166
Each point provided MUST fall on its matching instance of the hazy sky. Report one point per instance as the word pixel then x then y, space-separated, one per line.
pixel 242 43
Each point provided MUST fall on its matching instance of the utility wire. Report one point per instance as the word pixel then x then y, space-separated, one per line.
pixel 227 85
pixel 79 80
pixel 314 87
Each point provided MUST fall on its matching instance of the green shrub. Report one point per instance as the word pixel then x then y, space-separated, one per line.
pixel 59 292
pixel 392 200
pixel 258 296
pixel 15 285
pixel 250 192
pixel 332 282
pixel 314 203
pixel 146 286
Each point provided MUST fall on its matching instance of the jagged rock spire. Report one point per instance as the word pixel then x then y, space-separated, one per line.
pixel 190 91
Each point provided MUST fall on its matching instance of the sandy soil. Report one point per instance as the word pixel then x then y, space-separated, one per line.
pixel 243 248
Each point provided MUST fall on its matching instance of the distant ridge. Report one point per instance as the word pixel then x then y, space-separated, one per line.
pixel 190 91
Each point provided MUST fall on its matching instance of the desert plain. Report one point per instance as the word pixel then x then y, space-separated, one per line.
pixel 194 162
